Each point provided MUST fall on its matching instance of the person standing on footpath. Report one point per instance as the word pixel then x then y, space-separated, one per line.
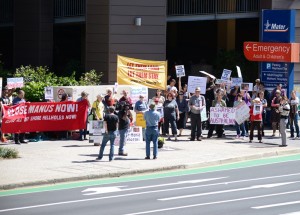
pixel 19 137
pixel 125 117
pixel 256 119
pixel 196 103
pixel 152 118
pixel 294 116
pixel 275 115
pixel 284 110
pixel 110 125
pixel 4 100
pixel 83 132
pixel 171 114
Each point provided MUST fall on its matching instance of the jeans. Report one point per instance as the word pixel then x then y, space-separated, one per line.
pixel 295 121
pixel 110 136
pixel 170 120
pixel 196 124
pixel 123 134
pixel 239 128
pixel 282 130
pixel 152 135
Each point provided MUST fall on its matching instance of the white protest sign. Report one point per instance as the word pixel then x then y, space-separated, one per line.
pixel 221 81
pixel 203 114
pixel 236 82
pixel 180 72
pixel 241 113
pixel 206 73
pixel 239 72
pixel 15 83
pixel 226 74
pixel 222 115
pixel 97 127
pixel 257 109
pixel 134 135
pixel 247 86
pixel 195 81
pixel 160 110
pixel 136 91
pixel 49 94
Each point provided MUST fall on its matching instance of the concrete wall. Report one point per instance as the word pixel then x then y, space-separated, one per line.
pixel 33 32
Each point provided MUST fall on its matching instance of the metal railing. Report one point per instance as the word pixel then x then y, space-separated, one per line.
pixel 205 7
pixel 69 8
pixel 6 12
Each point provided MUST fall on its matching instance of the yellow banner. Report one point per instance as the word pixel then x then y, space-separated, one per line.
pixel 140 121
pixel 131 71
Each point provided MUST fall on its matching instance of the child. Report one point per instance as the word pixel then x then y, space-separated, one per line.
pixel 256 118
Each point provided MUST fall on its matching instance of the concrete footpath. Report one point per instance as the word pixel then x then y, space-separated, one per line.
pixel 48 162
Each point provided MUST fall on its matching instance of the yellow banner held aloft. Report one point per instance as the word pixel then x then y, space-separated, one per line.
pixel 131 71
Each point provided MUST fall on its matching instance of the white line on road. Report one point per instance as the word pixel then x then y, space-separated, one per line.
pixel 293 213
pixel 276 205
pixel 212 203
pixel 231 190
pixel 101 190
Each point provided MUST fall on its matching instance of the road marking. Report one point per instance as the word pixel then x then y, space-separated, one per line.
pixel 101 190
pixel 231 190
pixel 293 213
pixel 177 173
pixel 276 205
pixel 212 203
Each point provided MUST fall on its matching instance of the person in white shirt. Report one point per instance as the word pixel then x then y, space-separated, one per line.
pixel 294 115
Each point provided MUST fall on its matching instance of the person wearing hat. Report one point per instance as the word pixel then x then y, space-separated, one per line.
pixel 275 115
pixel 110 125
pixel 140 107
pixel 196 103
pixel 256 118
pixel 83 132
pixel 255 89
pixel 152 118
pixel 284 111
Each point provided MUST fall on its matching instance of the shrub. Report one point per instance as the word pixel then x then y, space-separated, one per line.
pixel 8 153
pixel 90 78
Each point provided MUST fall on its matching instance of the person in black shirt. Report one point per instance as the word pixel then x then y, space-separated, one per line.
pixel 125 117
pixel 110 124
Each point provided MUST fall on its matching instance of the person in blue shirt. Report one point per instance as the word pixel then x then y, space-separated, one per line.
pixel 152 118
pixel 140 107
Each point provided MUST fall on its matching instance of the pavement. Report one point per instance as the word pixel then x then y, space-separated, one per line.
pixel 50 162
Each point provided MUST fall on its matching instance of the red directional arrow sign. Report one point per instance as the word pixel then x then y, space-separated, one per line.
pixel 272 52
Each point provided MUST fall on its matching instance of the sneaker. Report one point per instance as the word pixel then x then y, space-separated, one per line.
pixel 242 137
pixel 123 154
pixel 237 137
pixel 147 157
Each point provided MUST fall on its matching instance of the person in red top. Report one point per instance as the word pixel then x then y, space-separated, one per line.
pixel 256 119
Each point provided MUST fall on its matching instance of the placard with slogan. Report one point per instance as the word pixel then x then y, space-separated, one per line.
pixel 222 115
pixel 131 71
pixel 180 72
pixel 44 116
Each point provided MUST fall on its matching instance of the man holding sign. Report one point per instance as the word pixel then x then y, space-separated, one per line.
pixel 196 103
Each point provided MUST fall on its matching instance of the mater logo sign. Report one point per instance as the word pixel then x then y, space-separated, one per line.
pixel 274 27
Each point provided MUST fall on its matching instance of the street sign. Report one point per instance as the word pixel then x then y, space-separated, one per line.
pixel 271 52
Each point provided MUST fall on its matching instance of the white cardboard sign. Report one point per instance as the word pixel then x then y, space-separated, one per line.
pixel 226 74
pixel 247 87
pixel 241 113
pixel 180 72
pixel 222 115
pixel 236 82
pixel 195 81
pixel 15 83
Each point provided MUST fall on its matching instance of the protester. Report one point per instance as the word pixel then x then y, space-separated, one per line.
pixel 171 114
pixel 275 115
pixel 19 137
pixel 256 89
pixel 278 88
pixel 266 93
pixel 247 99
pixel 152 118
pixel 4 100
pixel 125 117
pixel 294 115
pixel 109 100
pixel 242 125
pixel 183 109
pixel 264 104
pixel 256 119
pixel 98 108
pixel 140 108
pixel 63 135
pixel 196 103
pixel 171 86
pixel 110 125
pixel 83 132
pixel 284 110
pixel 218 102
pixel 125 98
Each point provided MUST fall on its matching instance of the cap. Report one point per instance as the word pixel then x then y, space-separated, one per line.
pixel 278 91
pixel 257 80
pixel 198 89
pixel 256 100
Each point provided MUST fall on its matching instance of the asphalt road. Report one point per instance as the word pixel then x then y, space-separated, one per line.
pixel 266 189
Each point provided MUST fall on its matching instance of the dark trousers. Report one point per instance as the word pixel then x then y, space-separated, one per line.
pixel 170 120
pixel 219 130
pixel 19 137
pixel 196 124
pixel 256 124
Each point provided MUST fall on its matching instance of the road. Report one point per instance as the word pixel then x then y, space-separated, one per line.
pixel 264 187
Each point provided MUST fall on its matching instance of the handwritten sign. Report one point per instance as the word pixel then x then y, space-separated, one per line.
pixel 135 93
pixel 134 135
pixel 140 121
pixel 241 113
pixel 226 74
pixel 195 81
pixel 180 72
pixel 222 115
pixel 221 81
pixel 236 82
pixel 15 83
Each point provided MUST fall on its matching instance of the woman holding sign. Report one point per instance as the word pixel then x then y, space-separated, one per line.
pixel 171 113
pixel 256 118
